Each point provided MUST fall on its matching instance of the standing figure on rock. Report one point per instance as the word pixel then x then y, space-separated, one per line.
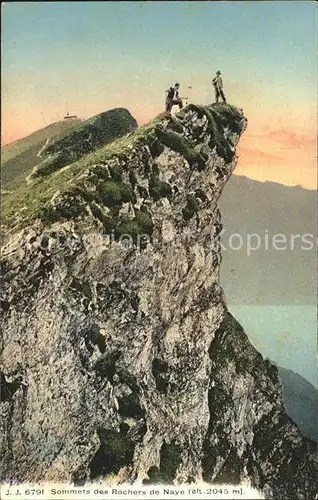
pixel 218 87
pixel 173 98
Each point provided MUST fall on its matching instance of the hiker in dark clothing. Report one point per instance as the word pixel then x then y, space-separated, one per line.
pixel 173 98
pixel 218 87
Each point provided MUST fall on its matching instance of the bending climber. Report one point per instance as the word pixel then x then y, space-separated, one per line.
pixel 173 98
pixel 218 87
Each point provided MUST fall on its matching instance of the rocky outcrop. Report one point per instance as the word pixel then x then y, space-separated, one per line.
pixel 84 138
pixel 119 355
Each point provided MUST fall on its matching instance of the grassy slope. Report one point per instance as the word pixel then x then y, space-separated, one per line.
pixel 19 157
pixel 20 145
pixel 27 200
pixel 88 136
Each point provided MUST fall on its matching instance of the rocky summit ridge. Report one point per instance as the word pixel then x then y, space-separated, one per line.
pixel 119 356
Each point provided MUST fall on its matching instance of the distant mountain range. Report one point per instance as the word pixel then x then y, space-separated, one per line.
pixel 301 402
pixel 273 277
pixel 268 276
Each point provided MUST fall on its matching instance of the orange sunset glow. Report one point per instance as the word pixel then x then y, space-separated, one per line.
pixel 279 156
pixel 128 55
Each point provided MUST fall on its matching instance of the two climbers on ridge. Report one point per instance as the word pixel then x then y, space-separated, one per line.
pixel 173 98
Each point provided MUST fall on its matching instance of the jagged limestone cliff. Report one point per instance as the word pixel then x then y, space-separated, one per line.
pixel 119 355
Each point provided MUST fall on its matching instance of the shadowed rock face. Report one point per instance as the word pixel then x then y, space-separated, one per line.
pixel 123 357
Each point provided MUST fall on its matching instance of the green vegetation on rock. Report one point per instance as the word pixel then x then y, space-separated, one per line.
pixel 179 144
pixel 28 201
pixel 191 207
pixel 140 225
pixel 129 406
pixel 115 193
pixel 159 189
pixel 70 207
pixel 170 459
pixel 227 116
pixel 75 198
pixel 49 165
pixel 115 451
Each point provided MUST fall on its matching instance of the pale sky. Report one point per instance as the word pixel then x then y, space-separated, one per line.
pixel 88 57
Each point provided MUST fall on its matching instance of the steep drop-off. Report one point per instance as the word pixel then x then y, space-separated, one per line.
pixel 119 355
